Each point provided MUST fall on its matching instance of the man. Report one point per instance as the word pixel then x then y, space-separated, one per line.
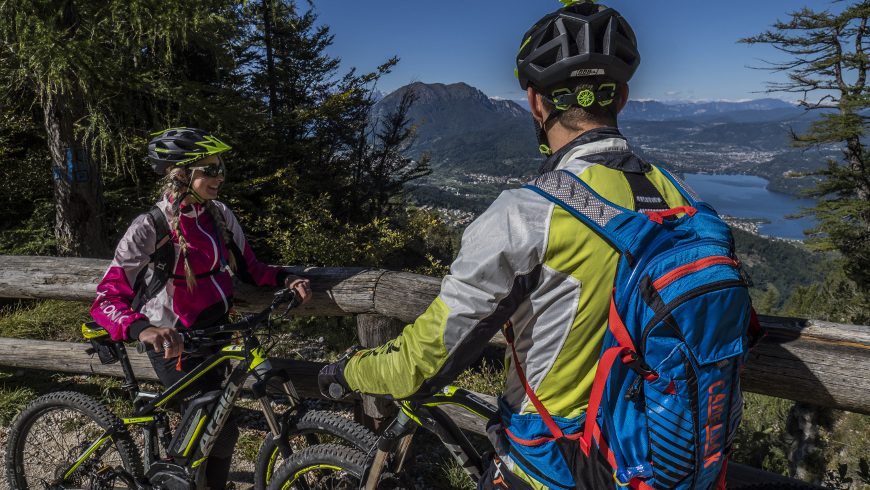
pixel 529 262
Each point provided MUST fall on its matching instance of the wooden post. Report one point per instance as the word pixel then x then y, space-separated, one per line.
pixel 374 330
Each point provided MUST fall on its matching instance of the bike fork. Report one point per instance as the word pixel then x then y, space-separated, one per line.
pixel 271 419
pixel 398 433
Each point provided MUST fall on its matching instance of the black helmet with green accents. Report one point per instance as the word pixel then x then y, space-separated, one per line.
pixel 179 147
pixel 582 39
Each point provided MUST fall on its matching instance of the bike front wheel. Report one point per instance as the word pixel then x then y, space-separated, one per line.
pixel 320 467
pixel 310 428
pixel 59 441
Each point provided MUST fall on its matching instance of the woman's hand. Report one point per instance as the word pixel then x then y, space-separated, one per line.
pixel 301 286
pixel 163 339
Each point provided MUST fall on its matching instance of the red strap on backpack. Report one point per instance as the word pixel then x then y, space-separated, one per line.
pixel 659 216
pixel 625 351
pixel 545 415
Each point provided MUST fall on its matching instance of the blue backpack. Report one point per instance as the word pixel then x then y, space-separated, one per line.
pixel 666 399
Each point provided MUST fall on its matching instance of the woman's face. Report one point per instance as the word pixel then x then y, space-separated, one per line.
pixel 207 187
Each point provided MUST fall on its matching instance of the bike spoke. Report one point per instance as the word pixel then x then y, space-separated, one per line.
pixel 53 444
pixel 324 479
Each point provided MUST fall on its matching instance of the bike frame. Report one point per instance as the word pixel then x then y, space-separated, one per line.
pixel 396 438
pixel 148 406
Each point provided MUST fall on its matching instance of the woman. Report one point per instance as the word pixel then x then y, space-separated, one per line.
pixel 209 247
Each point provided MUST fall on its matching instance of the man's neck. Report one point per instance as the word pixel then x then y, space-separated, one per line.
pixel 559 136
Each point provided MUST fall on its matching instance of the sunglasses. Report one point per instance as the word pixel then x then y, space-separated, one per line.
pixel 212 170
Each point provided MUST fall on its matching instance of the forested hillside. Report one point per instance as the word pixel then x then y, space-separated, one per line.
pixel 308 176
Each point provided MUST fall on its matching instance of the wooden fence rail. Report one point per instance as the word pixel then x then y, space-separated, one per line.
pixel 821 363
pixel 826 364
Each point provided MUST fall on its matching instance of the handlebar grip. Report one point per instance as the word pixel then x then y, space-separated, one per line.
pixel 337 391
pixel 142 347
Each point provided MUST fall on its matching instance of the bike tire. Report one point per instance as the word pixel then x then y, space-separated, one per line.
pixel 68 417
pixel 312 425
pixel 320 467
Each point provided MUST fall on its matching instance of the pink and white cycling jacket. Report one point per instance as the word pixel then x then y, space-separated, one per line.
pixel 176 306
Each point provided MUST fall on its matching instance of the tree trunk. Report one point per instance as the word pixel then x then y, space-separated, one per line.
pixel 806 458
pixel 270 62
pixel 77 183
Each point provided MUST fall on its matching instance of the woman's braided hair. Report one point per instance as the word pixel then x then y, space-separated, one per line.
pixel 174 186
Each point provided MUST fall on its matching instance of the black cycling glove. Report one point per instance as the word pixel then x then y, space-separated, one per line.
pixel 331 377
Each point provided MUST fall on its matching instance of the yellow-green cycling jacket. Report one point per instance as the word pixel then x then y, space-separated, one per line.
pixel 528 261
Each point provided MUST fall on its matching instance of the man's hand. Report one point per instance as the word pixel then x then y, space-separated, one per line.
pixel 331 377
pixel 301 286
pixel 331 381
pixel 163 339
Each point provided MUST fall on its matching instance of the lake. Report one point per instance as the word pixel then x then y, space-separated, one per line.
pixel 746 196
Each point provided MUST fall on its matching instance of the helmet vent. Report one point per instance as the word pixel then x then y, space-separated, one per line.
pixel 586 39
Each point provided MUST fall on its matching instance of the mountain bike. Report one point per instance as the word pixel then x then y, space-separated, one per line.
pixel 69 440
pixel 333 466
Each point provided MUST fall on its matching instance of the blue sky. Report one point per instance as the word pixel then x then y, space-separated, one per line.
pixel 689 48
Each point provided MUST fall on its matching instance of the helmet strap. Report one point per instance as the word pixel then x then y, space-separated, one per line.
pixel 541 132
pixel 192 193
pixel 188 191
pixel 543 143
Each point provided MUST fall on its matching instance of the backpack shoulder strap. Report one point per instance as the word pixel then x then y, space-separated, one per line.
pixel 161 260
pixel 688 194
pixel 575 196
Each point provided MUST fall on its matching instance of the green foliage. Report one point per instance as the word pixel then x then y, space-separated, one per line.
pixel 116 55
pixel 12 400
pixel 837 298
pixel 454 476
pixel 777 267
pixel 485 378
pixel 845 450
pixel 761 440
pixel 26 210
pixel 18 388
pixel 34 234
pixel 415 240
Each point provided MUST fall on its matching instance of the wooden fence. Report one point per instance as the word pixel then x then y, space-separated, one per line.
pixel 821 363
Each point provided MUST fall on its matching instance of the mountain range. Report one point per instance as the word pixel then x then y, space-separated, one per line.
pixel 467 133
pixel 461 128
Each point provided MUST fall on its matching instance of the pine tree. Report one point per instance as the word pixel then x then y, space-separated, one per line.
pixel 92 66
pixel 827 66
pixel 380 169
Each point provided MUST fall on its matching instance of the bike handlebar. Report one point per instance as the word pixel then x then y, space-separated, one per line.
pixel 199 337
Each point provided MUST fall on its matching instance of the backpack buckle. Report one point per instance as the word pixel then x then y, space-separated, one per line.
pixel 508 331
pixel 638 365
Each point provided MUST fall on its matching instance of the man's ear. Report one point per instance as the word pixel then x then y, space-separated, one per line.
pixel 623 96
pixel 536 106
